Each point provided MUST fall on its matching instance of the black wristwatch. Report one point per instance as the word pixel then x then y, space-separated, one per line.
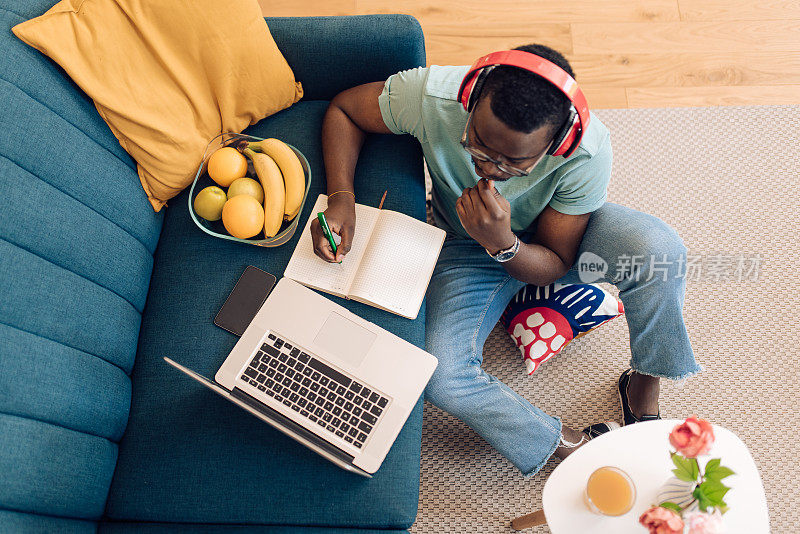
pixel 507 253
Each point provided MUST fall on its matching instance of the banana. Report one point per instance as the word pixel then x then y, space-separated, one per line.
pixel 294 178
pixel 274 192
pixel 291 215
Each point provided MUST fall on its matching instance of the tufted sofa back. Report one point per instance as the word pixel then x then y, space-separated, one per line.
pixel 77 237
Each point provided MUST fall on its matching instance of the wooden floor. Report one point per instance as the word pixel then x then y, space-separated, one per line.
pixel 625 53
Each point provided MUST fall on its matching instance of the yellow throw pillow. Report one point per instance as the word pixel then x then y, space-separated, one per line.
pixel 168 75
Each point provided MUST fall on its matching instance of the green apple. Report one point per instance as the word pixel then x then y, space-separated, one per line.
pixel 208 203
pixel 246 186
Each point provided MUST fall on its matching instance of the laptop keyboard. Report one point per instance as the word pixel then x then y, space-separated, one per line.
pixel 326 397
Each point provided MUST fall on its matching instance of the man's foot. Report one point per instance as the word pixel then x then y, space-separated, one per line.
pixel 638 396
pixel 598 429
pixel 571 440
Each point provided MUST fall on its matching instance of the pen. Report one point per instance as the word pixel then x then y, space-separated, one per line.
pixel 327 231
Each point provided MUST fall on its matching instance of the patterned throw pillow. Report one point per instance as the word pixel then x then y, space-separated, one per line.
pixel 543 320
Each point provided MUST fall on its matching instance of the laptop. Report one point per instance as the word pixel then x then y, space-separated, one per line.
pixel 334 382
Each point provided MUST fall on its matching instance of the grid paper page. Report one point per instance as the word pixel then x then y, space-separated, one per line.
pixel 398 264
pixel 309 269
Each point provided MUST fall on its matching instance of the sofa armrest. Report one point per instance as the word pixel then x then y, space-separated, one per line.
pixel 331 54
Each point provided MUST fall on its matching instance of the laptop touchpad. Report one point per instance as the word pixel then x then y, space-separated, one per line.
pixel 345 339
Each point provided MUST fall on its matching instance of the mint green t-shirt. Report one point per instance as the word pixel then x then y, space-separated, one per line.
pixel 422 102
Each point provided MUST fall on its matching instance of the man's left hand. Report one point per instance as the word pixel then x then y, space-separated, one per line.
pixel 486 216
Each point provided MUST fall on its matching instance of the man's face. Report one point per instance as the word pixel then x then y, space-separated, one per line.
pixel 491 136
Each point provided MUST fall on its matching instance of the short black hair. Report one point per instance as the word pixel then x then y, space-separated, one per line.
pixel 524 101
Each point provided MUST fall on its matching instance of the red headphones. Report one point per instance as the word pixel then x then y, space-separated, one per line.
pixel 569 136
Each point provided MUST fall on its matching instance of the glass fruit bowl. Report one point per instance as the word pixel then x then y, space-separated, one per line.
pixel 202 180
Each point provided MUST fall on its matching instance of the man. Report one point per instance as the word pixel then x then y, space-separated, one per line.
pixel 514 215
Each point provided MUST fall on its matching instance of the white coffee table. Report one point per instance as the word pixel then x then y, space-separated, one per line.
pixel 642 450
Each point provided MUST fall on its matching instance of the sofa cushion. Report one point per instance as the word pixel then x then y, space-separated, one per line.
pixel 51 470
pixel 57 384
pixel 76 241
pixel 22 523
pixel 191 456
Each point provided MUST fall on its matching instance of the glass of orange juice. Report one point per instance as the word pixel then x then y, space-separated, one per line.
pixel 609 491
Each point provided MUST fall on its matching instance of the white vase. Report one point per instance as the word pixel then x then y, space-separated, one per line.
pixel 678 491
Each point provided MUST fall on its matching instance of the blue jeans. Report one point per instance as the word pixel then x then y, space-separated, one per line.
pixel 469 291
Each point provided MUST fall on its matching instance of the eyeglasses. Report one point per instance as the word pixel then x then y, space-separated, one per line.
pixel 478 155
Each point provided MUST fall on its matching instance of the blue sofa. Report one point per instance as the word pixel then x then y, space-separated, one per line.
pixel 97 433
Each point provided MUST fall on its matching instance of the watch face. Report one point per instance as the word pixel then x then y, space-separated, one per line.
pixel 505 256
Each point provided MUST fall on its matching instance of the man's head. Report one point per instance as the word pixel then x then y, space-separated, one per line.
pixel 517 115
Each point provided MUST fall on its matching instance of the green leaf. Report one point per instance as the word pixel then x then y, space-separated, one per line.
pixel 686 468
pixel 714 491
pixel 720 473
pixel 702 501
pixel 712 464
pixel 715 471
pixel 682 475
pixel 709 494
pixel 671 506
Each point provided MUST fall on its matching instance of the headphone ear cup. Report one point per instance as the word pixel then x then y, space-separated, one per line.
pixel 475 93
pixel 562 140
pixel 571 143
pixel 465 90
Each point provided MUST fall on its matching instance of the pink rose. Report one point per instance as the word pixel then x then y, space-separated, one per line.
pixel 702 523
pixel 692 438
pixel 660 520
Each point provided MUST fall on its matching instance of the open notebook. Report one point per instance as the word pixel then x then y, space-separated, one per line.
pixel 389 265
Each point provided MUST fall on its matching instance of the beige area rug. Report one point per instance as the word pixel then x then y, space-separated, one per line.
pixel 727 180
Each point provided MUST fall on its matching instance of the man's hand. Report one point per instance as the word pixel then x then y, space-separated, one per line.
pixel 486 216
pixel 341 217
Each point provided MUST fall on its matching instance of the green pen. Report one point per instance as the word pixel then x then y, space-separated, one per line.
pixel 327 231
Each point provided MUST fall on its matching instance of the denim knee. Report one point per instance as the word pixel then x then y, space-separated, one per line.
pixel 441 390
pixel 656 251
pixel 447 386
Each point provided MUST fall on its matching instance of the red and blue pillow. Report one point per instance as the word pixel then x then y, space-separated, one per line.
pixel 542 320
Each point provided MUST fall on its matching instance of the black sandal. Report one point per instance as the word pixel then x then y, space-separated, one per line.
pixel 589 433
pixel 598 429
pixel 627 413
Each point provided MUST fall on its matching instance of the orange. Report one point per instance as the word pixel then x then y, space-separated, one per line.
pixel 243 216
pixel 226 165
